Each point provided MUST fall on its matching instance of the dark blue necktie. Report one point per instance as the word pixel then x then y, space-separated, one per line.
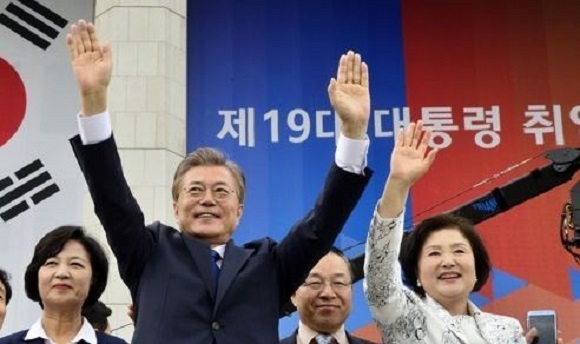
pixel 215 272
pixel 215 269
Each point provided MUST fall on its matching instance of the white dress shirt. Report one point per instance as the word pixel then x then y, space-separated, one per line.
pixel 86 333
pixel 306 334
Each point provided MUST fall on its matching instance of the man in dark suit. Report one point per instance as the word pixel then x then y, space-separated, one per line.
pixel 194 285
pixel 323 303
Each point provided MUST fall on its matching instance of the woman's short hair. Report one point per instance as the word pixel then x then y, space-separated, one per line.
pixel 4 280
pixel 414 241
pixel 51 244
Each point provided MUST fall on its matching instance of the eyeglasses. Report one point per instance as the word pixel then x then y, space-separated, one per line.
pixel 218 192
pixel 318 285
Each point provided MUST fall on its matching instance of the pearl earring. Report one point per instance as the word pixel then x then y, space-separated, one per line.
pixel 419 283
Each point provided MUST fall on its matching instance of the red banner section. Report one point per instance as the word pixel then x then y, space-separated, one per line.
pixel 498 83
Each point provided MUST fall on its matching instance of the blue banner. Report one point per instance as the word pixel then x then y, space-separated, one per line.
pixel 257 82
pixel 495 83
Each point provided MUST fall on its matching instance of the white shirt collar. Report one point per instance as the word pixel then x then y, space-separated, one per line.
pixel 220 249
pixel 306 334
pixel 86 333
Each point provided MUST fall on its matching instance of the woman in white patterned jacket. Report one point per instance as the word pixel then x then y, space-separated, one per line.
pixel 444 260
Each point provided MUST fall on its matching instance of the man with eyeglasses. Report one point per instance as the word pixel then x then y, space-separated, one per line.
pixel 194 285
pixel 323 303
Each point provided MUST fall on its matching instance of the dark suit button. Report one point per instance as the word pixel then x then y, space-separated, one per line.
pixel 215 325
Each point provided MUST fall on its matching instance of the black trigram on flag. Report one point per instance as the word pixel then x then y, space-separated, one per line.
pixel 29 186
pixel 33 22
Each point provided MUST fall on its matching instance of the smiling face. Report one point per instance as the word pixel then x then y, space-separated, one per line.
pixel 65 279
pixel 207 206
pixel 446 267
pixel 324 300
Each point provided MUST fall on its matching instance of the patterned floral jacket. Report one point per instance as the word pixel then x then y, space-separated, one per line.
pixel 402 316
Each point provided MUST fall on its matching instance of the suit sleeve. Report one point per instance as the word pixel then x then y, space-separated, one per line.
pixel 117 210
pixel 312 236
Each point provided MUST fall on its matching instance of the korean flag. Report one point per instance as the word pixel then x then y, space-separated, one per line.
pixel 40 183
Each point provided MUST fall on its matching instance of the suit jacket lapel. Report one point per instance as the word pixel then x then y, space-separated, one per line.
pixel 200 253
pixel 292 339
pixel 452 329
pixel 234 259
pixel 483 321
pixel 350 339
pixel 483 328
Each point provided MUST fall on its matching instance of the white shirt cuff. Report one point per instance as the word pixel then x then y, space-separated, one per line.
pixel 94 129
pixel 351 154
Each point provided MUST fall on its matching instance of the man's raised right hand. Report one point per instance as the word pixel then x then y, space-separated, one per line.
pixel 92 66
